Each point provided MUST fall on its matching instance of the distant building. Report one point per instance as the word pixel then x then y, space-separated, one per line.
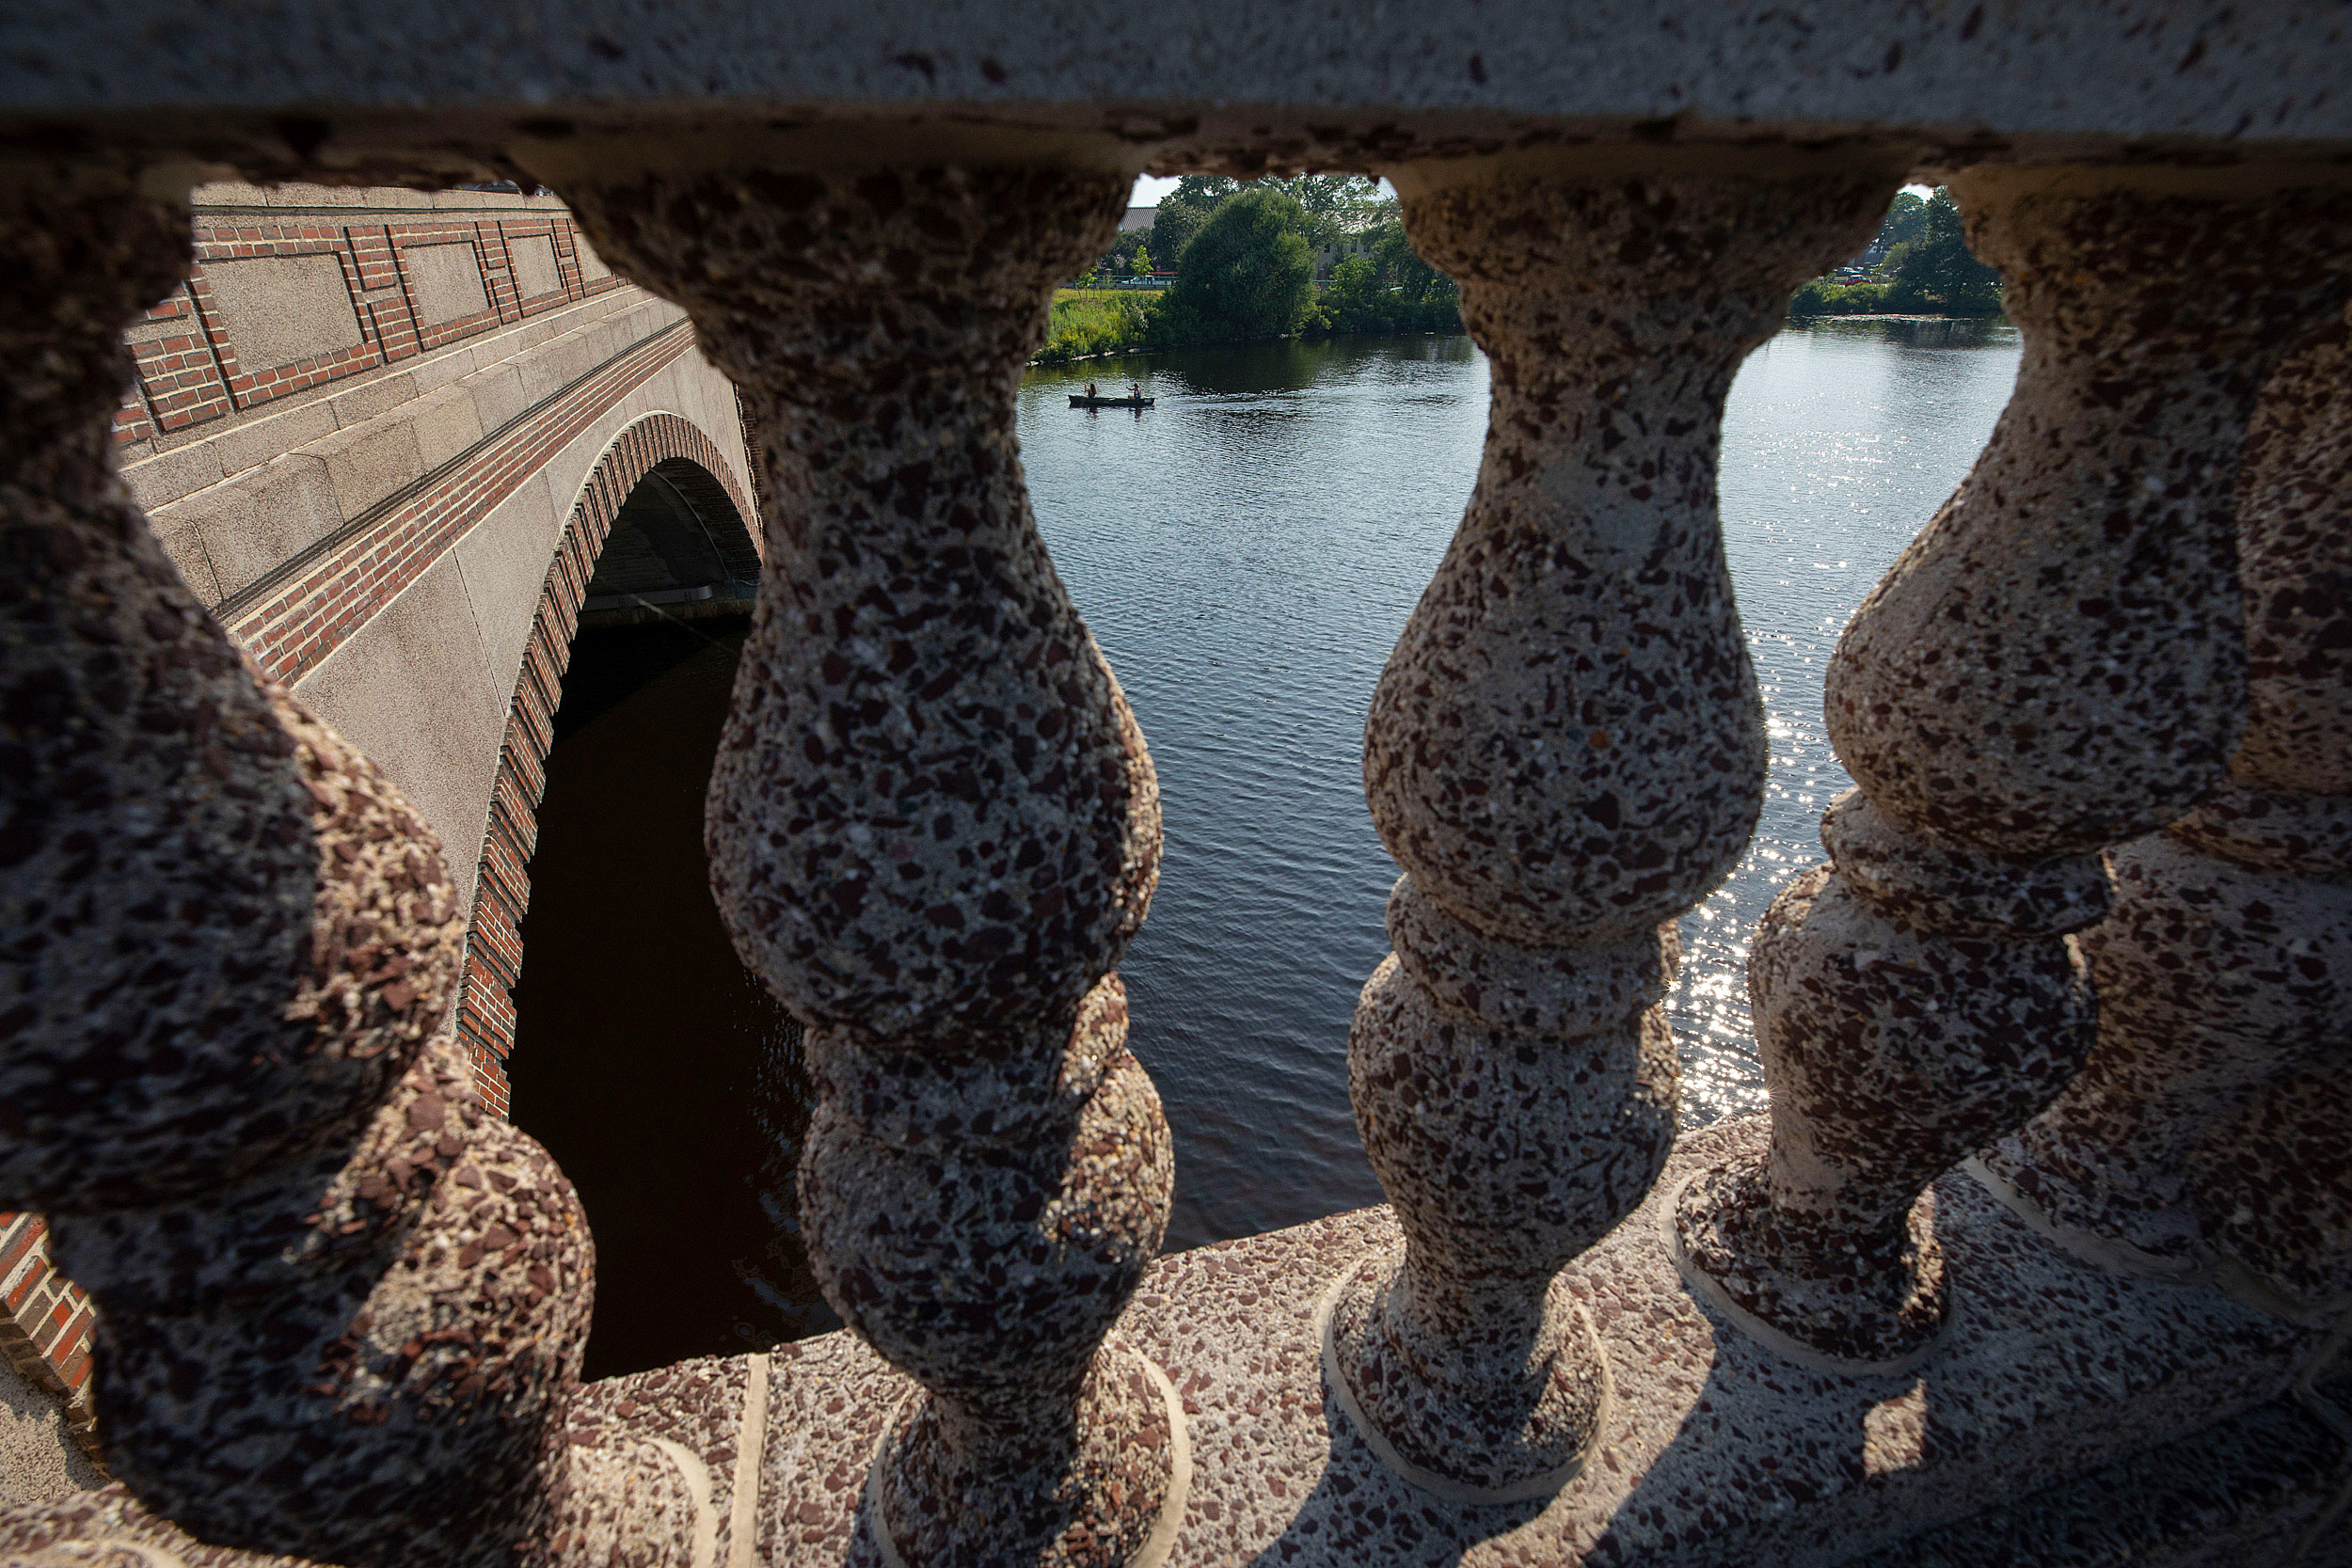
pixel 1137 217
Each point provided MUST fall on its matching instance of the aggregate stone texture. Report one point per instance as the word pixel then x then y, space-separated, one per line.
pixel 933 827
pixel 2258 1488
pixel 932 819
pixel 219 946
pixel 398 1331
pixel 340 1307
pixel 1311 88
pixel 2213 978
pixel 1891 1052
pixel 1564 750
pixel 1716 1451
pixel 2295 563
pixel 2227 963
pixel 2272 1191
pixel 2055 664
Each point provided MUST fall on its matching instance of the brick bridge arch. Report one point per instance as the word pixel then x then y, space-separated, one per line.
pixel 684 463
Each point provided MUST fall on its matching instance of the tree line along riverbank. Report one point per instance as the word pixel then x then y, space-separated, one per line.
pixel 1327 255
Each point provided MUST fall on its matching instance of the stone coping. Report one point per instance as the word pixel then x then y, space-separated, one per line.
pixel 1718 1451
pixel 1185 73
pixel 349 202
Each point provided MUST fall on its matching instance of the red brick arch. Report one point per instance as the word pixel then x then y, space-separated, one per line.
pixel 494 950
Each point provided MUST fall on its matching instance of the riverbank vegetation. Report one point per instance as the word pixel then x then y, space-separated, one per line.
pixel 1918 263
pixel 1247 259
pixel 1089 321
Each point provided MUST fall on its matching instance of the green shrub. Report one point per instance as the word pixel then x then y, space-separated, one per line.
pixel 1821 297
pixel 1359 299
pixel 1095 321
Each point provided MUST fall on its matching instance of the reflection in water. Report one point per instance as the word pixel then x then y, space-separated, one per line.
pixel 1246 553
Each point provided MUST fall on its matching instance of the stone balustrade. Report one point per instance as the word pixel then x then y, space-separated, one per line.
pixel 2054 1204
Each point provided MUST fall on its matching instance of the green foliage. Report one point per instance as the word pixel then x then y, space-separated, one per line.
pixel 1328 200
pixel 1821 297
pixel 1361 298
pixel 1936 271
pixel 1401 267
pixel 1354 297
pixel 1142 260
pixel 1185 211
pixel 1103 321
pixel 1248 275
pixel 1905 220
pixel 1121 257
pixel 1925 246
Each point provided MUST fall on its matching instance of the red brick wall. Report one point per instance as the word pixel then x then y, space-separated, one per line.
pixel 494 950
pixel 45 1331
pixel 189 370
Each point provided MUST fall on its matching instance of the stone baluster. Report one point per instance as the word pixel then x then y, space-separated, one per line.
pixel 2054 665
pixel 1566 752
pixel 933 827
pixel 2226 961
pixel 342 1308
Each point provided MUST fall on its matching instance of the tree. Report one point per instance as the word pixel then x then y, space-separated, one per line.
pixel 1936 269
pixel 1355 300
pixel 1184 211
pixel 1401 267
pixel 1142 260
pixel 1117 259
pixel 1247 274
pixel 1905 219
pixel 1327 200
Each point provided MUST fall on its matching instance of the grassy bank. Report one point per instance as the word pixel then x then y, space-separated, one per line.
pixel 1087 322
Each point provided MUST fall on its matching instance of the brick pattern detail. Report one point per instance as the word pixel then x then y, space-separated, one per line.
pixel 494 949
pixel 45 1332
pixel 300 618
pixel 189 368
pixel 179 382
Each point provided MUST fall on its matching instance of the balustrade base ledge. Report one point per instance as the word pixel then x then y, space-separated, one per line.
pixel 2057 1391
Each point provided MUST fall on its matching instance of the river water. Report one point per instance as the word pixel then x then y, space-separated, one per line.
pixel 1246 553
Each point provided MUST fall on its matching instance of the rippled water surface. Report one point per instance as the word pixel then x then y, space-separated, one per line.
pixel 1245 552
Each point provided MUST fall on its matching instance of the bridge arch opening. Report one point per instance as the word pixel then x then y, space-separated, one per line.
pixel 678 550
pixel 602 991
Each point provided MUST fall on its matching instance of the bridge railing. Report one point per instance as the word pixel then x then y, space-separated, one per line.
pixel 2083 923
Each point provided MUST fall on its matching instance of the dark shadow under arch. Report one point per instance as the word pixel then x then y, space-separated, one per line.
pixel 691 505
pixel 658 1070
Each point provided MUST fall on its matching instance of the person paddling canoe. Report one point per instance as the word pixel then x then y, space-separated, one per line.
pixel 1089 389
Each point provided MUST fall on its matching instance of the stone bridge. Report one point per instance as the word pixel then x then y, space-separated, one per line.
pixel 398 442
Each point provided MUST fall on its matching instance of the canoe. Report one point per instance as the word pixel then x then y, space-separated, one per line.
pixel 1079 400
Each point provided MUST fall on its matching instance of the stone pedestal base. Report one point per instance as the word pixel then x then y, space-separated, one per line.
pixel 1120 1507
pixel 1523 1438
pixel 1864 1311
pixel 2057 1390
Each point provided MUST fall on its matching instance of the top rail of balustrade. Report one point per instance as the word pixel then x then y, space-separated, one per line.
pixel 1180 83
